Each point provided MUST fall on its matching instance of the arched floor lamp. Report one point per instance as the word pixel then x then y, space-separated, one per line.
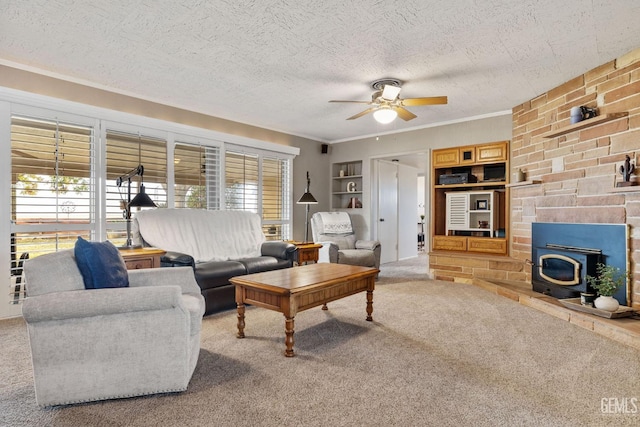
pixel 307 199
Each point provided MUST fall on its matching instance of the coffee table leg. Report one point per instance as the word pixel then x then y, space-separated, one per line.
pixel 324 306
pixel 240 321
pixel 288 340
pixel 369 305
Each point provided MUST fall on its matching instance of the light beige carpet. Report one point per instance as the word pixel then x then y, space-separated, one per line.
pixel 436 354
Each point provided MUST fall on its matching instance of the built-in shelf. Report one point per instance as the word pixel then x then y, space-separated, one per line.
pixel 347 185
pixel 584 124
pixel 459 209
pixel 473 184
pixel 347 177
pixel 524 183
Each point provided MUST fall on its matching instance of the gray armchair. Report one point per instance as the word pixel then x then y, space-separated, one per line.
pixel 95 344
pixel 334 230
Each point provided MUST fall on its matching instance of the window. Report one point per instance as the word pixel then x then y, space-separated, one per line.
pixel 52 189
pixel 124 153
pixel 260 182
pixel 241 182
pixel 275 198
pixel 196 176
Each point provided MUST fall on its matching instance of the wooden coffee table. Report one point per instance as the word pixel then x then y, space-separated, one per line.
pixel 291 290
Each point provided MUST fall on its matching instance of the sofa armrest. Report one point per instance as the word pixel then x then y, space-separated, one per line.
pixel 177 259
pixel 183 277
pixel 99 302
pixel 367 244
pixel 282 250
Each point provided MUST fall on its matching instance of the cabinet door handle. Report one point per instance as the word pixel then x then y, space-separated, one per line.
pixel 381 219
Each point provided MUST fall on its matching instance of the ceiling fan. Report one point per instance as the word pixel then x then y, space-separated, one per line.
pixel 386 105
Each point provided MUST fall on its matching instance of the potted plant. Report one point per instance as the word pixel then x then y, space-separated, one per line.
pixel 608 280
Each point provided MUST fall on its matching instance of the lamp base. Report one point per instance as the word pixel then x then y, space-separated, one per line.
pixel 130 247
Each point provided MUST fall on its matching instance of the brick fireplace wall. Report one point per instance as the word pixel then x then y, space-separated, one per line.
pixel 573 176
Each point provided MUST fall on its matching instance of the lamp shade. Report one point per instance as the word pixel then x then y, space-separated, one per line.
pixel 385 115
pixel 307 199
pixel 142 200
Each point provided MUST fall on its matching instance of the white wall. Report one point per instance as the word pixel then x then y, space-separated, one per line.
pixel 317 164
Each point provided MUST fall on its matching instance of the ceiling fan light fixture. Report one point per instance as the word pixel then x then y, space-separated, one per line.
pixel 385 115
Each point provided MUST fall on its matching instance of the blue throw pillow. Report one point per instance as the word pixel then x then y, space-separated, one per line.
pixel 101 265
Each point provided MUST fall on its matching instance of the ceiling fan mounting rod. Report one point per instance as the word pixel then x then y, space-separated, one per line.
pixel 380 83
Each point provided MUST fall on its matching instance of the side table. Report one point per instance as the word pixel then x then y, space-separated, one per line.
pixel 307 252
pixel 142 257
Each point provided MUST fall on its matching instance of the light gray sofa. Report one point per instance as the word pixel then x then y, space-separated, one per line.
pixel 334 230
pixel 95 344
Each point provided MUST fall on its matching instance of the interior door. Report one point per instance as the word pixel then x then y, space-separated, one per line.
pixel 388 210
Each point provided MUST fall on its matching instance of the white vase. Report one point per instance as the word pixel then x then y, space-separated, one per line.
pixel 607 303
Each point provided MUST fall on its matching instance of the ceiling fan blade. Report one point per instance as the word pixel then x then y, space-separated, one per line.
pixel 405 114
pixel 367 111
pixel 390 92
pixel 430 100
pixel 354 102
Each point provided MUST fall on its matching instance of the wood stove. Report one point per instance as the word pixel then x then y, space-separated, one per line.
pixel 563 254
pixel 561 271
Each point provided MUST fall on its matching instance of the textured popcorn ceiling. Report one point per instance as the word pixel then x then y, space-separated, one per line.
pixel 275 64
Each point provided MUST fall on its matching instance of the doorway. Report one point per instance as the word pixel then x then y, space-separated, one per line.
pixel 395 188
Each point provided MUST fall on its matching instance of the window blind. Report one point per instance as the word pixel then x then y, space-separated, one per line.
pixel 241 181
pixel 197 176
pixel 275 198
pixel 52 190
pixel 260 183
pixel 124 152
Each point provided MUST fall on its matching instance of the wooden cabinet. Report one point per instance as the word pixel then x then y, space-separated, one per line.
pixel 491 153
pixel 454 156
pixel 346 185
pixel 496 246
pixel 449 243
pixel 138 258
pixel 471 215
pixel 306 252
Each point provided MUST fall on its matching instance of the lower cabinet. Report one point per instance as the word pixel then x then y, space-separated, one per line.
pixel 487 246
pixel 484 245
pixel 449 243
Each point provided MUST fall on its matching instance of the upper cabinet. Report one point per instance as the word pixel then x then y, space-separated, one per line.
pixel 469 203
pixel 469 155
pixel 491 153
pixel 453 156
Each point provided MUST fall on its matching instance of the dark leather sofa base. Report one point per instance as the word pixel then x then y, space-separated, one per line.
pixel 263 263
pixel 219 299
pixel 213 276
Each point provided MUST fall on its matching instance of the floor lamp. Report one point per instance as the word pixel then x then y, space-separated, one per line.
pixel 307 199
pixel 141 200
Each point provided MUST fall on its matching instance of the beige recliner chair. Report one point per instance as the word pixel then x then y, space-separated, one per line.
pixel 334 230
pixel 95 344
